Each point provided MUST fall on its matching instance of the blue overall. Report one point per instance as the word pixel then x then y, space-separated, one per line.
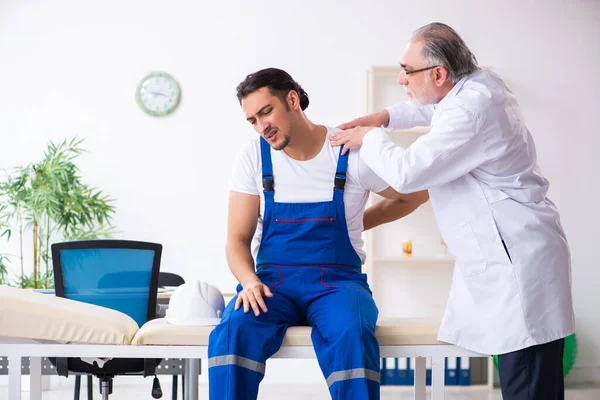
pixel 307 260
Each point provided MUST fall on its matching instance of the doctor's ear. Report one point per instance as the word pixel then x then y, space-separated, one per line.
pixel 439 75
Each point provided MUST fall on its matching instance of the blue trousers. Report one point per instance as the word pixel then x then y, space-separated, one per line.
pixel 336 302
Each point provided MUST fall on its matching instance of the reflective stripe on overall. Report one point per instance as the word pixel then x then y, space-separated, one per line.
pixel 314 273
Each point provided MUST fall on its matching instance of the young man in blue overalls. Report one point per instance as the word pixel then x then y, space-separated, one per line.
pixel 297 207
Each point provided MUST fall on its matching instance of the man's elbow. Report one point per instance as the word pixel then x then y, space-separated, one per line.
pixel 416 198
pixel 236 243
pixel 421 197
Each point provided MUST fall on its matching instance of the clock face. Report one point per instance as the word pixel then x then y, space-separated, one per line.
pixel 158 94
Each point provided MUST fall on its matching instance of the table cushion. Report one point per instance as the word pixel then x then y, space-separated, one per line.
pixel 397 332
pixel 25 313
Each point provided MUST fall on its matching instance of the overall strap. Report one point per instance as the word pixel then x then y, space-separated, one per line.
pixel 340 176
pixel 267 170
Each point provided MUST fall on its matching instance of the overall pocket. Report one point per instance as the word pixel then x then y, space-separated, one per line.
pixel 306 240
pixel 270 277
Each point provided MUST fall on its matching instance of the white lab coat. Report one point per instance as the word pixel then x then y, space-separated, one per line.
pixel 478 162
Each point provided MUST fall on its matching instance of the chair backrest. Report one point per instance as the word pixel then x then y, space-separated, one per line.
pixel 170 279
pixel 117 274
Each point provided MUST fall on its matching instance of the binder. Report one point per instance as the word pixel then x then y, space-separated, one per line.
pixel 451 371
pixel 390 366
pixel 410 376
pixel 428 371
pixel 464 371
pixel 402 371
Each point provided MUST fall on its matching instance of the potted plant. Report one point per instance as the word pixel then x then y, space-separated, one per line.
pixel 48 200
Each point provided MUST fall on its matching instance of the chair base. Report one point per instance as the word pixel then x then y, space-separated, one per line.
pixel 105 387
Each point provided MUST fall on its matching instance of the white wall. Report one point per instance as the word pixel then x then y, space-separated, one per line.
pixel 71 68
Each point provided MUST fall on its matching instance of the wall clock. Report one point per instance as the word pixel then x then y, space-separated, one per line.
pixel 158 94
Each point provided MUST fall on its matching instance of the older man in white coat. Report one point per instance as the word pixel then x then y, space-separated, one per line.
pixel 511 290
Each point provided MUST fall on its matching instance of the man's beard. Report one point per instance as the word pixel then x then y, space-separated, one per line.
pixel 414 100
pixel 283 145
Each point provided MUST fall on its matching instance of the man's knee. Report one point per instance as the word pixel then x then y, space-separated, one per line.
pixel 355 331
pixel 226 333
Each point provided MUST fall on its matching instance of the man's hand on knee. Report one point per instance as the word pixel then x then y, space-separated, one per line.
pixel 252 296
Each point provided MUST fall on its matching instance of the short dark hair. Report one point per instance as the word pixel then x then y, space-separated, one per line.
pixel 278 81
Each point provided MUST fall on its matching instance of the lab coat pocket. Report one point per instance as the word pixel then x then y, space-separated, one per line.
pixel 488 237
pixel 463 245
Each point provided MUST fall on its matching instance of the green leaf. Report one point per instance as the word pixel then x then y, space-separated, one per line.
pixel 52 194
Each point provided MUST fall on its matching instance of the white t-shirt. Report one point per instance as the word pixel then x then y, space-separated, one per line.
pixel 308 181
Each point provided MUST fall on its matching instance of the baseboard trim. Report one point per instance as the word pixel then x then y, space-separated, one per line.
pixel 583 375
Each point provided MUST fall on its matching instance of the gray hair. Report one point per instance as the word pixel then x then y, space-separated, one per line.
pixel 443 46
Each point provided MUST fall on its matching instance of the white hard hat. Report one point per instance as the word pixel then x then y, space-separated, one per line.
pixel 195 303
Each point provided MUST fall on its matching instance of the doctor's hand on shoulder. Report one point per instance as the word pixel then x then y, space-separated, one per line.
pixel 350 138
pixel 353 132
pixel 252 296
pixel 379 118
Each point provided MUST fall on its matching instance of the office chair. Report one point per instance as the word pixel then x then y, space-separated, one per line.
pixel 171 279
pixel 117 274
pixel 164 279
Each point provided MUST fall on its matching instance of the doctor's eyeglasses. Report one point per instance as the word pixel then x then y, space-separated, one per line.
pixel 408 73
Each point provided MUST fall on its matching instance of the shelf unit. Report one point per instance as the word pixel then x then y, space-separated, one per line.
pixel 448 389
pixel 414 260
pixel 415 286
